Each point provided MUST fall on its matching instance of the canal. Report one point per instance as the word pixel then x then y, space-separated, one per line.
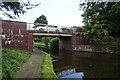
pixel 92 65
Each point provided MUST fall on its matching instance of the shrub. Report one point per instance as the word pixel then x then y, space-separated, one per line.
pixel 36 39
pixel 54 44
pixel 109 43
pixel 46 40
pixel 115 46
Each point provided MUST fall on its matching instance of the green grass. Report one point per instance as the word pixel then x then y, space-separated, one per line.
pixel 47 68
pixel 12 60
pixel 0 70
pixel 0 62
pixel 41 43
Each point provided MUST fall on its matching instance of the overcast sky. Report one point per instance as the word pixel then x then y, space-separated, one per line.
pixel 58 12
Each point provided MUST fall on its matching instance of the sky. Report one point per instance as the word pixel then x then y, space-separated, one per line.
pixel 58 12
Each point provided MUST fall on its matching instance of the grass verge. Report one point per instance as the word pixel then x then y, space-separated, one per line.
pixel 0 62
pixel 47 68
pixel 12 60
pixel 39 43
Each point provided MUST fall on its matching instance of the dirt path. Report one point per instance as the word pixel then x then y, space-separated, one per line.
pixel 31 68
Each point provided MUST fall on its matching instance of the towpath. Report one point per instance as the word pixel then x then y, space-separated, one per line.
pixel 31 69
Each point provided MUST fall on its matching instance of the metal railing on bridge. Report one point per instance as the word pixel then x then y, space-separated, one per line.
pixel 34 27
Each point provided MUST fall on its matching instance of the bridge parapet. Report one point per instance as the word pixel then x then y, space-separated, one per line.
pixel 16 36
pixel 37 31
pixel 43 28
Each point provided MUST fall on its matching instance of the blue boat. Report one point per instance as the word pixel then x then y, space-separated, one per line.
pixel 70 74
pixel 75 75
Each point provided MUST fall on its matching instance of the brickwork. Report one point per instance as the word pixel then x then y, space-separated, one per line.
pixel 77 38
pixel 0 32
pixel 15 35
pixel 70 43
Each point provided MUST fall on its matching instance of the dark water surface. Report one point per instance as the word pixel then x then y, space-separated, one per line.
pixel 93 65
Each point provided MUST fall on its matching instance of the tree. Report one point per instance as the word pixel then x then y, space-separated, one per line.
pixel 41 20
pixel 16 7
pixel 115 19
pixel 97 18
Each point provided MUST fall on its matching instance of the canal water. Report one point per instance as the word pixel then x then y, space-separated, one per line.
pixel 92 65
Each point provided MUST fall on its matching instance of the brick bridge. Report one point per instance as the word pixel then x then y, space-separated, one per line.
pixel 15 35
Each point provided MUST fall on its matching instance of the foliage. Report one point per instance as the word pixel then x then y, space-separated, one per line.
pixel 46 40
pixel 98 20
pixel 36 39
pixel 12 60
pixel 101 44
pixel 41 20
pixel 115 45
pixel 42 47
pixel 48 44
pixel 0 63
pixel 107 44
pixel 54 44
pixel 114 19
pixel 47 68
pixel 43 44
pixel 16 7
pixel 39 43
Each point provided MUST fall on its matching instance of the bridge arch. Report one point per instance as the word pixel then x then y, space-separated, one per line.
pixel 65 40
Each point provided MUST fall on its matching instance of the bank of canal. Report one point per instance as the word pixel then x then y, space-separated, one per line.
pixel 47 70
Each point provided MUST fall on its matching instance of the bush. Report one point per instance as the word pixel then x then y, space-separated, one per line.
pixel 36 39
pixel 110 44
pixel 54 44
pixel 115 46
pixel 46 40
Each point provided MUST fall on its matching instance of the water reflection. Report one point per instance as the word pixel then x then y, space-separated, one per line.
pixel 94 65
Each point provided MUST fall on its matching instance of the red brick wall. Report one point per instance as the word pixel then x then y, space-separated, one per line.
pixel 77 38
pixel 15 35
pixel 69 43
